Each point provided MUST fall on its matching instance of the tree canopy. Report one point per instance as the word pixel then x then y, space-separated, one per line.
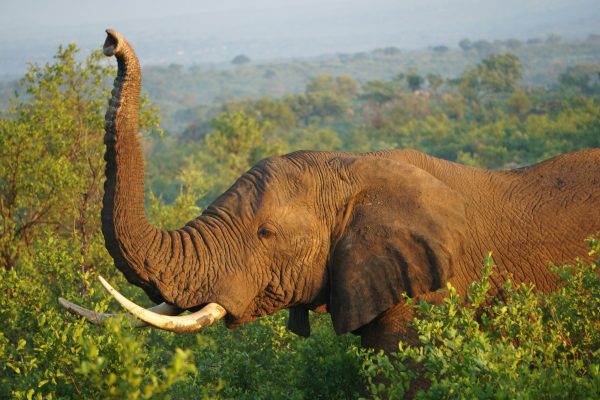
pixel 51 175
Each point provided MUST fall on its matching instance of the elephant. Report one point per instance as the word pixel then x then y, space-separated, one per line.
pixel 349 234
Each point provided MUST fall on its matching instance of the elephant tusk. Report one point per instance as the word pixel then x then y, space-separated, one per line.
pixel 193 322
pixel 98 318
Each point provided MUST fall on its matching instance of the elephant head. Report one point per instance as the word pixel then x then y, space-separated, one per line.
pixel 339 232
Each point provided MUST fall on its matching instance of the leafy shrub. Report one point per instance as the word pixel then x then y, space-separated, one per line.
pixel 46 354
pixel 526 345
pixel 263 360
pixel 51 164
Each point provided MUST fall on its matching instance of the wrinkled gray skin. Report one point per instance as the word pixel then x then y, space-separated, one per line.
pixel 342 233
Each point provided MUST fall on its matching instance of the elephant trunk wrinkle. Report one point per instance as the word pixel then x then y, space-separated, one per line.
pixel 149 257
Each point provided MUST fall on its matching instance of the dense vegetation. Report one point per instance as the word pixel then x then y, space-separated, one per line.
pixel 484 117
pixel 179 91
pixel 51 167
pixel 526 346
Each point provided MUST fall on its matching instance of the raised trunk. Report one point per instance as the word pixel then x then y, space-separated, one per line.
pixel 128 235
pixel 179 266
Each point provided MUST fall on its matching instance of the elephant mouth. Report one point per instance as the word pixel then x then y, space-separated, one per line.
pixel 233 321
pixel 257 308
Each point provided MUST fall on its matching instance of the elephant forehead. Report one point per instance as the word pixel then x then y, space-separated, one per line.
pixel 264 187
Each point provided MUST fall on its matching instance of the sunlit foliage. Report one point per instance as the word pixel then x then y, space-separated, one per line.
pixel 51 154
pixel 51 175
pixel 525 345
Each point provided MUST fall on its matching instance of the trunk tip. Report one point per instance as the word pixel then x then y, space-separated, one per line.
pixel 112 43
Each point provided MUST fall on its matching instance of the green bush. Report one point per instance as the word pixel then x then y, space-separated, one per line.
pixel 527 345
pixel 263 360
pixel 51 163
pixel 46 353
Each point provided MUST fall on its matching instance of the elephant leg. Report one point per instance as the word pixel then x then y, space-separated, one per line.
pixel 391 327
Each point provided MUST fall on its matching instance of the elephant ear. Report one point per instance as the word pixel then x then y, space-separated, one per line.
pixel 403 233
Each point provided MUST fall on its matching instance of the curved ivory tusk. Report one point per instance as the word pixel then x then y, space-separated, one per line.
pixel 98 318
pixel 194 322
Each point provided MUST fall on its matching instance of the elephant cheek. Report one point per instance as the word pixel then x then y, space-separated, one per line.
pixel 235 293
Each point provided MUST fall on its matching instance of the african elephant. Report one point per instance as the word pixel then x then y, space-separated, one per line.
pixel 343 233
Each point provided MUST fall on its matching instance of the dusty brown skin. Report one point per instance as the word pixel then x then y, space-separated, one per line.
pixel 341 232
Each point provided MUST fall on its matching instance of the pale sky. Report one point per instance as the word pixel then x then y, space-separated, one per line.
pixel 72 12
pixel 30 30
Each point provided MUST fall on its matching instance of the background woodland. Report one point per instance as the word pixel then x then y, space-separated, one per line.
pixel 496 105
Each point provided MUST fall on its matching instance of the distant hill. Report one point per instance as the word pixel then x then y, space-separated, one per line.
pixel 177 90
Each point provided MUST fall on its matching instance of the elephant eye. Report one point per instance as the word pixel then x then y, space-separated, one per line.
pixel 265 233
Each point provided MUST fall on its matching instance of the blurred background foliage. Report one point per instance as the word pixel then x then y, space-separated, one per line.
pixel 491 105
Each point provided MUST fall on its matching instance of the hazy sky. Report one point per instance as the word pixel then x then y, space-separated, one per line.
pixel 74 12
pixel 214 31
pixel 70 12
